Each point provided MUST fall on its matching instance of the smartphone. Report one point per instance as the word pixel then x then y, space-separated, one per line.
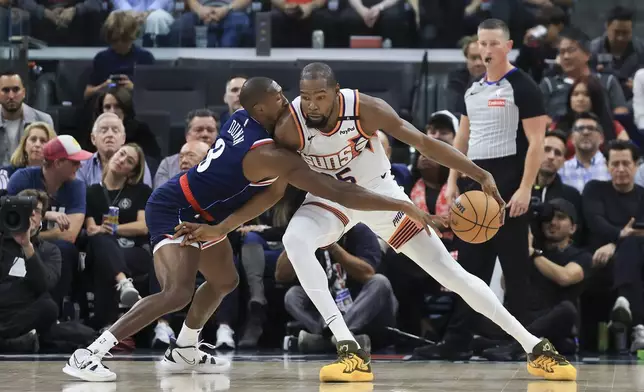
pixel 638 225
pixel 116 78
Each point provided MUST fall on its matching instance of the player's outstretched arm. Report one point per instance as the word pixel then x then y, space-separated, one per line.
pixel 270 161
pixel 376 113
pixel 256 206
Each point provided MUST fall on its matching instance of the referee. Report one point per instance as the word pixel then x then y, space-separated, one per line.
pixel 502 131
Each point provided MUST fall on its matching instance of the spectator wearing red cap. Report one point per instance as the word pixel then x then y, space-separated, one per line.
pixel 57 177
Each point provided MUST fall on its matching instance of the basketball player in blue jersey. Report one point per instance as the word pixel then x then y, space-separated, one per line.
pixel 334 131
pixel 242 167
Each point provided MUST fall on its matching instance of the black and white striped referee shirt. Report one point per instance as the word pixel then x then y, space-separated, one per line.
pixel 495 111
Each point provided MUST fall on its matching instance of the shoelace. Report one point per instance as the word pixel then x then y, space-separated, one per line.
pixel 98 356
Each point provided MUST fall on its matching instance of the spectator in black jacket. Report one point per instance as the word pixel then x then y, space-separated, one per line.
pixel 539 49
pixel 617 51
pixel 29 269
pixel 612 209
pixel 459 80
pixel 549 185
pixel 559 270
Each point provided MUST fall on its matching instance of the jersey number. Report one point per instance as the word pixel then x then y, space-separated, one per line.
pixel 342 177
pixel 213 153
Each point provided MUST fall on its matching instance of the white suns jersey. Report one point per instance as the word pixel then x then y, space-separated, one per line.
pixel 346 152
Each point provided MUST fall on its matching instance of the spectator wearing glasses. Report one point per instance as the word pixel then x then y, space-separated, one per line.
pixel 588 163
pixel 574 55
pixel 586 96
pixel 29 151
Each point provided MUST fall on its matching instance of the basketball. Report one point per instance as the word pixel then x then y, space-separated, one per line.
pixel 474 217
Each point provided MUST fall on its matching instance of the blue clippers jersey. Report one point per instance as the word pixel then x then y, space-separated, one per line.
pixel 217 186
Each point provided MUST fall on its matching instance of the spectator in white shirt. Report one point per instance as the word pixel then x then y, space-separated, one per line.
pixel 638 98
pixel 154 15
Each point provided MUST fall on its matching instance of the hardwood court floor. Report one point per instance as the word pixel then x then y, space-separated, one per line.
pixel 277 373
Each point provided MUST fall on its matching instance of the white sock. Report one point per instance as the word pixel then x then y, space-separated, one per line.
pixel 103 344
pixel 308 230
pixel 430 254
pixel 187 336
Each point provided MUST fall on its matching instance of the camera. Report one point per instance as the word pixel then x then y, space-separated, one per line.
pixel 15 212
pixel 540 212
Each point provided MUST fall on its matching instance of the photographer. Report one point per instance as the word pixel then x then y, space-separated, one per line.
pixel 557 276
pixel 549 185
pixel 29 268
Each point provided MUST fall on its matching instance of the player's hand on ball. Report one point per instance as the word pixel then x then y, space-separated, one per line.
pixel 488 185
pixel 424 220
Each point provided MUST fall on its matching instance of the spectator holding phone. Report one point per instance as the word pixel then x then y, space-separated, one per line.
pixel 616 224
pixel 114 66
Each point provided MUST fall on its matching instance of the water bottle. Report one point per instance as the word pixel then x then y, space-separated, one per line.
pixel 201 36
pixel 318 39
pixel 386 44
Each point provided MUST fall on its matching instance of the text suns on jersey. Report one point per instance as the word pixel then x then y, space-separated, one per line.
pixel 341 158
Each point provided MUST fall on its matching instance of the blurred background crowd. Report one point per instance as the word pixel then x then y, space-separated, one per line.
pixel 146 120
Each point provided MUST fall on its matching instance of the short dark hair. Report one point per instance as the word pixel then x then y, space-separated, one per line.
pixel 620 13
pixel 40 196
pixel 9 72
pixel 559 134
pixel 495 24
pixel 577 35
pixel 553 16
pixel 254 90
pixel 589 116
pixel 317 71
pixel 622 145
pixel 199 113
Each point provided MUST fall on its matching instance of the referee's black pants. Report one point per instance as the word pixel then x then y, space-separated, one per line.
pixel 510 245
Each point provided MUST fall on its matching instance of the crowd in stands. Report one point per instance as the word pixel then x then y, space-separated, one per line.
pixel 586 240
pixel 230 23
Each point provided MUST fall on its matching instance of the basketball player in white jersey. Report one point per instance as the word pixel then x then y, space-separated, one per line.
pixel 334 131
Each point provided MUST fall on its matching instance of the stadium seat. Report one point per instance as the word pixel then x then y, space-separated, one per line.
pixel 176 90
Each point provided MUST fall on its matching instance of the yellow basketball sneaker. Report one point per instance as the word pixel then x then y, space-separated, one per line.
pixel 353 365
pixel 546 362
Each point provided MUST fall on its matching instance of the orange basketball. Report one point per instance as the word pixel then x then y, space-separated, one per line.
pixel 474 217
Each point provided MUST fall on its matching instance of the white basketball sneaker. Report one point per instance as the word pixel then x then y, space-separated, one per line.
pixel 188 359
pixel 87 366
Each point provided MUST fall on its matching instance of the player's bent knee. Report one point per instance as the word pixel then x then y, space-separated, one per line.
pixel 294 242
pixel 229 285
pixel 177 299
